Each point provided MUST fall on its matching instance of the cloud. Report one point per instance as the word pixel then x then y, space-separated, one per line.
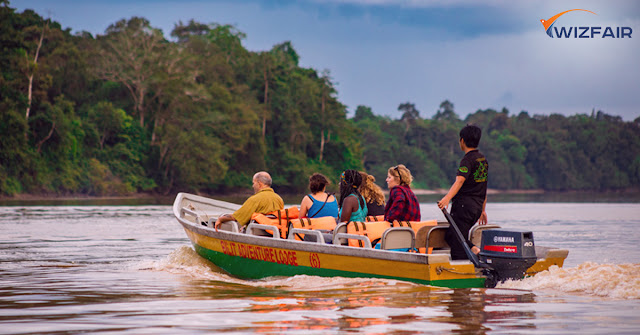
pixel 418 3
pixel 382 52
pixel 542 75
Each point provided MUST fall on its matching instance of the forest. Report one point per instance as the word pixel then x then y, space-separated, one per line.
pixel 132 111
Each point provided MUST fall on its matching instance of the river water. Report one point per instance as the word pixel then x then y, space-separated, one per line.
pixel 131 269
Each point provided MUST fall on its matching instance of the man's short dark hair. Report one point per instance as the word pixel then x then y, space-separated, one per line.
pixel 317 182
pixel 471 135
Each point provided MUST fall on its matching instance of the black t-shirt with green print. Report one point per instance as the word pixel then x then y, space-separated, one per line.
pixel 474 168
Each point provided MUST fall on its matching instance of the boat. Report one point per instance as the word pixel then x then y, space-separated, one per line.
pixel 262 251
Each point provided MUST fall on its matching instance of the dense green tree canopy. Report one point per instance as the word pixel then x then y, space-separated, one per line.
pixel 131 111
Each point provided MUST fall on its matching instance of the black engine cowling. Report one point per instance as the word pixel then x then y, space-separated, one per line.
pixel 508 252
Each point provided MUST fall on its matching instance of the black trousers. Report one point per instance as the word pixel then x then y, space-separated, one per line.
pixel 465 212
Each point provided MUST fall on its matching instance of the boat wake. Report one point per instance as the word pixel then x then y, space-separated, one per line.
pixel 616 281
pixel 185 261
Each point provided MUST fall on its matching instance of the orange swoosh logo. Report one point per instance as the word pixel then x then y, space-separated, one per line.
pixel 547 23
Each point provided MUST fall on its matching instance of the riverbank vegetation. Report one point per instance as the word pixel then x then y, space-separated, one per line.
pixel 133 111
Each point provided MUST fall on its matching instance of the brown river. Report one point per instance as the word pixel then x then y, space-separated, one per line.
pixel 131 270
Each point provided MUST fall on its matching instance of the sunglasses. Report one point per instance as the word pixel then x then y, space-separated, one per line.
pixel 398 171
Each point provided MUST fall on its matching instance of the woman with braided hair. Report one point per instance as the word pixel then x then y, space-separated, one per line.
pixel 352 205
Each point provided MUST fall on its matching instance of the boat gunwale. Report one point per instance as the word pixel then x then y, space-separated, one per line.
pixel 314 247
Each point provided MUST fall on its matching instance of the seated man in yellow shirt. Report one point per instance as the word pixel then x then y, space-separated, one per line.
pixel 264 201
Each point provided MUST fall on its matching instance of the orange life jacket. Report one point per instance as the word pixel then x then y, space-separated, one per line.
pixel 280 219
pixel 415 225
pixel 325 223
pixel 372 230
pixel 372 218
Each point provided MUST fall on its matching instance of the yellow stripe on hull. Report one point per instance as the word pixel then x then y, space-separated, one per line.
pixel 410 271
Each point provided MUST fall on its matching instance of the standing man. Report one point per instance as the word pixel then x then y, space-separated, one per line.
pixel 264 201
pixel 468 192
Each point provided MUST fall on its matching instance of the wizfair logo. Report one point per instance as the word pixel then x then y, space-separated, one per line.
pixel 583 32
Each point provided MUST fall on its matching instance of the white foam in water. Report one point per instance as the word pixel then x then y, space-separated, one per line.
pixel 185 261
pixel 617 281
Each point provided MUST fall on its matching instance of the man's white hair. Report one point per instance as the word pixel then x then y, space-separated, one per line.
pixel 263 177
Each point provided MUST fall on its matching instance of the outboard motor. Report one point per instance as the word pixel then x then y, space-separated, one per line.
pixel 508 252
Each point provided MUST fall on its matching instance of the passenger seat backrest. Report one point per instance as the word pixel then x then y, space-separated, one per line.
pixel 341 228
pixel 231 226
pixel 372 230
pixel 475 233
pixel 374 218
pixel 435 238
pixel 418 226
pixel 398 238
pixel 279 218
pixel 325 223
pixel 262 230
pixel 421 238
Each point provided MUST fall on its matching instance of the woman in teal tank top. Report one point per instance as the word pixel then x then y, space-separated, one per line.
pixel 351 203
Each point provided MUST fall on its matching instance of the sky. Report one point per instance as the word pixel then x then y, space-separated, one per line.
pixel 381 53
